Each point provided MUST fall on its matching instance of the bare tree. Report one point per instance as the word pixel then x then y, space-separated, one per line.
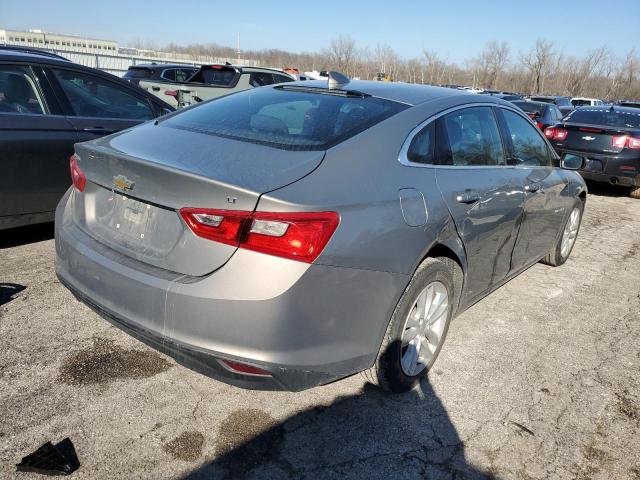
pixel 341 54
pixel 537 61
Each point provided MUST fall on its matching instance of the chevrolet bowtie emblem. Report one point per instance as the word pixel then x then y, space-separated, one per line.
pixel 122 183
pixel 588 138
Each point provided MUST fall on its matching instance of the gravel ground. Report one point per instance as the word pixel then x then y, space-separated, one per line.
pixel 539 380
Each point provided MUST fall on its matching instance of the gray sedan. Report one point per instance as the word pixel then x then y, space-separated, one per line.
pixel 291 235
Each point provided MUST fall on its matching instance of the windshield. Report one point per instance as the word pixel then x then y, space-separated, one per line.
pixel 608 118
pixel 292 120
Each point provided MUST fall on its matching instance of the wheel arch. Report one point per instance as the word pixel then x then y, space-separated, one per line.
pixel 453 256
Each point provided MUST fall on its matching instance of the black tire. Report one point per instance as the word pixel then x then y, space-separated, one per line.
pixel 635 192
pixel 555 257
pixel 387 372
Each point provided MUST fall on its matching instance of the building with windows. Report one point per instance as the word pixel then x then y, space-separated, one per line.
pixel 56 41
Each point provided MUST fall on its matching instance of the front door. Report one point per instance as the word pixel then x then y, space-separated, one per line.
pixel 547 199
pixel 96 105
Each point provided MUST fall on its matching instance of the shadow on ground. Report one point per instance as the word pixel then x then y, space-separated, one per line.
pixel 8 292
pixel 371 435
pixel 25 235
pixel 606 190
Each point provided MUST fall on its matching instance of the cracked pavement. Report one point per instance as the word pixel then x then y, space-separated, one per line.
pixel 539 380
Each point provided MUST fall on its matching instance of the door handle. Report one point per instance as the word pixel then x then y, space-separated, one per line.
pixel 155 89
pixel 98 130
pixel 468 197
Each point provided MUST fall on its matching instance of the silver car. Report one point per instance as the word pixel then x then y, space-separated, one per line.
pixel 291 235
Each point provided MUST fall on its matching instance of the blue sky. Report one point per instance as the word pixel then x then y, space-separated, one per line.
pixel 457 29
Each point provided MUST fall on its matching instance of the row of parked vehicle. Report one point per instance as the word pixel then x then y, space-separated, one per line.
pixel 47 104
pixel 606 138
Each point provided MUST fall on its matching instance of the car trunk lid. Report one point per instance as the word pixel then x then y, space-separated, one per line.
pixel 137 181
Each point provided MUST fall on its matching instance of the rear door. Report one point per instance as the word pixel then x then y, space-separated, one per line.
pixel 97 106
pixel 35 144
pixel 481 192
pixel 547 200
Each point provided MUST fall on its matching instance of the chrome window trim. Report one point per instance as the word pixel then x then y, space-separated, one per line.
pixel 404 159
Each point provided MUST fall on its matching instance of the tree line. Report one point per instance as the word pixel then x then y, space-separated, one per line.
pixel 544 68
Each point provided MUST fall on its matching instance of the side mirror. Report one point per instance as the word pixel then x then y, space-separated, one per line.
pixel 572 162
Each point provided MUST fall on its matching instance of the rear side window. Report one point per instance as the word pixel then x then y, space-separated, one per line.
pixel 474 138
pixel 92 96
pixel 529 148
pixel 292 120
pixel 422 146
pixel 608 118
pixel 18 92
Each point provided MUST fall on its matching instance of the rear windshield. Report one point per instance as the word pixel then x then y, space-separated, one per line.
pixel 543 99
pixel 138 73
pixel 608 118
pixel 287 119
pixel 581 103
pixel 531 107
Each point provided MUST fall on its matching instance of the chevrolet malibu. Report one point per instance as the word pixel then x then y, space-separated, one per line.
pixel 291 235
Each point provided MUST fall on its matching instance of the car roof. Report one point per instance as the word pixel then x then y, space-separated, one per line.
pixel 25 55
pixel 163 65
pixel 408 93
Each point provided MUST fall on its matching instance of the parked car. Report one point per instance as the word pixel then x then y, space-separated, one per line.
pixel 212 81
pixel 585 102
pixel 288 236
pixel 543 114
pixel 160 71
pixel 47 104
pixel 608 139
pixel 563 103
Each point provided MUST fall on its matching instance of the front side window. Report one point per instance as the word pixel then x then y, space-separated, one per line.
pixel 529 148
pixel 287 119
pixel 18 92
pixel 474 138
pixel 92 96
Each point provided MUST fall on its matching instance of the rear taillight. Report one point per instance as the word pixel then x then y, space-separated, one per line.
pixel 297 236
pixel 77 176
pixel 625 141
pixel 556 133
pixel 171 93
pixel 222 226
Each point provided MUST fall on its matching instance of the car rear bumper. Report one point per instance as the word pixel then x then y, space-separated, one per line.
pixel 608 169
pixel 305 324
pixel 617 179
